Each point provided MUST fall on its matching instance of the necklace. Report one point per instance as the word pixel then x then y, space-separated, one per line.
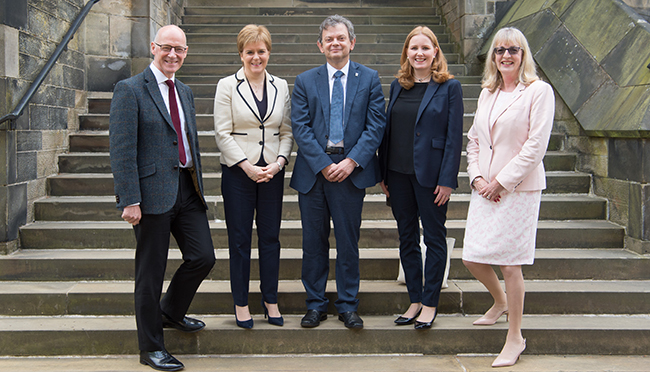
pixel 423 79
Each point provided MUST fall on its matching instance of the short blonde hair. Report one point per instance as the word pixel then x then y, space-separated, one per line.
pixel 492 78
pixel 253 34
pixel 439 69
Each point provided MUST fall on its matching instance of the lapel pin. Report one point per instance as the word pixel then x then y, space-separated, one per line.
pixel 356 74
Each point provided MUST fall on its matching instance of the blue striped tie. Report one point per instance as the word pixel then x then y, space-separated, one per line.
pixel 336 110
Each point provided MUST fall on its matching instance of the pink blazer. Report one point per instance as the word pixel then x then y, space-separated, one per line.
pixel 511 146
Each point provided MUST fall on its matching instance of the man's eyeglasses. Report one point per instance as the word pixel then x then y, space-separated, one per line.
pixel 512 50
pixel 168 48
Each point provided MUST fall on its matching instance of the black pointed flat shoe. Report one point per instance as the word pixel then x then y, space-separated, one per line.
pixel 402 320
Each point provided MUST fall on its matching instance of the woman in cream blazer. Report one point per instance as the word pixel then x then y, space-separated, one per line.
pixel 506 145
pixel 253 129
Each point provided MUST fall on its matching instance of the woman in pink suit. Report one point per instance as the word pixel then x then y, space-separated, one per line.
pixel 507 143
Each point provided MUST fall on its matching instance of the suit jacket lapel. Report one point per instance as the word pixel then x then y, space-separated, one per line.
pixel 352 85
pixel 323 86
pixel 154 91
pixel 515 96
pixel 432 88
pixel 271 95
pixel 246 94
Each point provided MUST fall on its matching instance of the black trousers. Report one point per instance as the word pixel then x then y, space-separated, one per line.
pixel 243 201
pixel 410 200
pixel 188 223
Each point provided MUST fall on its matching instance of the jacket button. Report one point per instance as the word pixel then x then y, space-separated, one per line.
pixel 418 134
pixel 490 147
pixel 327 137
pixel 261 127
pixel 261 143
pixel 175 143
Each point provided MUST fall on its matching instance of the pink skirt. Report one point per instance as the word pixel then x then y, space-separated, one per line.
pixel 502 233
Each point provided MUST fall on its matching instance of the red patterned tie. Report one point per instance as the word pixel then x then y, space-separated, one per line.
pixel 173 110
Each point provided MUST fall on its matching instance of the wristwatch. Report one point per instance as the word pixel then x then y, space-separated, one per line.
pixel 279 166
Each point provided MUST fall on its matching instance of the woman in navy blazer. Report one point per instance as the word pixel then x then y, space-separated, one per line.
pixel 419 159
pixel 253 129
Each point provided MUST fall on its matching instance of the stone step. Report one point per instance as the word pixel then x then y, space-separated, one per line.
pixel 360 22
pixel 311 4
pixel 91 264
pixel 309 30
pixel 276 59
pixel 211 9
pixel 99 162
pixel 451 334
pixel 102 208
pixel 98 141
pixel 373 234
pixel 305 48
pixel 375 297
pixel 292 69
pixel 101 184
pixel 307 37
pixel 213 79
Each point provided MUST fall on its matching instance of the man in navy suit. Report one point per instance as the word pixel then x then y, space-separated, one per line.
pixel 156 167
pixel 336 162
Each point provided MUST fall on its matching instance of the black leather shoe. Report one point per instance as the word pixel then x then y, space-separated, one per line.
pixel 160 360
pixel 426 325
pixel 402 320
pixel 186 325
pixel 351 319
pixel 313 318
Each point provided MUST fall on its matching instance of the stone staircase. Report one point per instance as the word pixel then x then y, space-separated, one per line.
pixel 69 290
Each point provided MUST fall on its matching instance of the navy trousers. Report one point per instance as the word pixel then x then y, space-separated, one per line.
pixel 409 200
pixel 243 200
pixel 343 202
pixel 188 223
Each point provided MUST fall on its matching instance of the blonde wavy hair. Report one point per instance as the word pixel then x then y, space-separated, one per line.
pixel 439 69
pixel 252 34
pixel 510 36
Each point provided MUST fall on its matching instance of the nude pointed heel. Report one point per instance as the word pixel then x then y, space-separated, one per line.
pixel 484 320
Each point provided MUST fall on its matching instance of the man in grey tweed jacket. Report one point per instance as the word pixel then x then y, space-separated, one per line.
pixel 156 167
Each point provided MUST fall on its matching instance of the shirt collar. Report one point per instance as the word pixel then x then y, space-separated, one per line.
pixel 160 77
pixel 331 70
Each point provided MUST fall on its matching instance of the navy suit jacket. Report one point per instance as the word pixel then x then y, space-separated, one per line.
pixel 143 144
pixel 438 139
pixel 364 125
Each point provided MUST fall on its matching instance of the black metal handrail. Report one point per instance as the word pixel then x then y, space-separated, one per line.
pixel 20 107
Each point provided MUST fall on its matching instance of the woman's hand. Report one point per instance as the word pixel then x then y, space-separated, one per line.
pixel 384 188
pixel 272 169
pixel 256 173
pixel 490 191
pixel 443 193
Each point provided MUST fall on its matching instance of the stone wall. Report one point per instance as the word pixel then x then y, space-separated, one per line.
pixel 31 30
pixel 602 86
pixel 118 34
pixel 470 23
pixel 112 44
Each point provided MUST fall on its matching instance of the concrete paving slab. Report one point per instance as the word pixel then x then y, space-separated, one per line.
pixel 343 363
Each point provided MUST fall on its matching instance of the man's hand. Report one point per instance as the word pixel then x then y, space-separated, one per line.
pixel 443 194
pixel 339 172
pixel 132 214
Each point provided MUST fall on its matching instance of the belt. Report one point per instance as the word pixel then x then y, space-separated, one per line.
pixel 334 150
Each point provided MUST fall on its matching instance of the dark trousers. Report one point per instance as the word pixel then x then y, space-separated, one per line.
pixel 343 202
pixel 409 200
pixel 244 199
pixel 188 222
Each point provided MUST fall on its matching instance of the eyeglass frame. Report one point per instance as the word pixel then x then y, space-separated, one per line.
pixel 502 50
pixel 164 46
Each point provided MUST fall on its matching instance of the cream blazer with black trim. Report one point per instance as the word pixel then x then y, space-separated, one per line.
pixel 509 145
pixel 240 131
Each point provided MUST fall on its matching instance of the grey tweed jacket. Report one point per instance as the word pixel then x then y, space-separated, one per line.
pixel 143 144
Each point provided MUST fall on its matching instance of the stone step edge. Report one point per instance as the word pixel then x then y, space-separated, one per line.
pixel 102 254
pixel 456 286
pixel 453 334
